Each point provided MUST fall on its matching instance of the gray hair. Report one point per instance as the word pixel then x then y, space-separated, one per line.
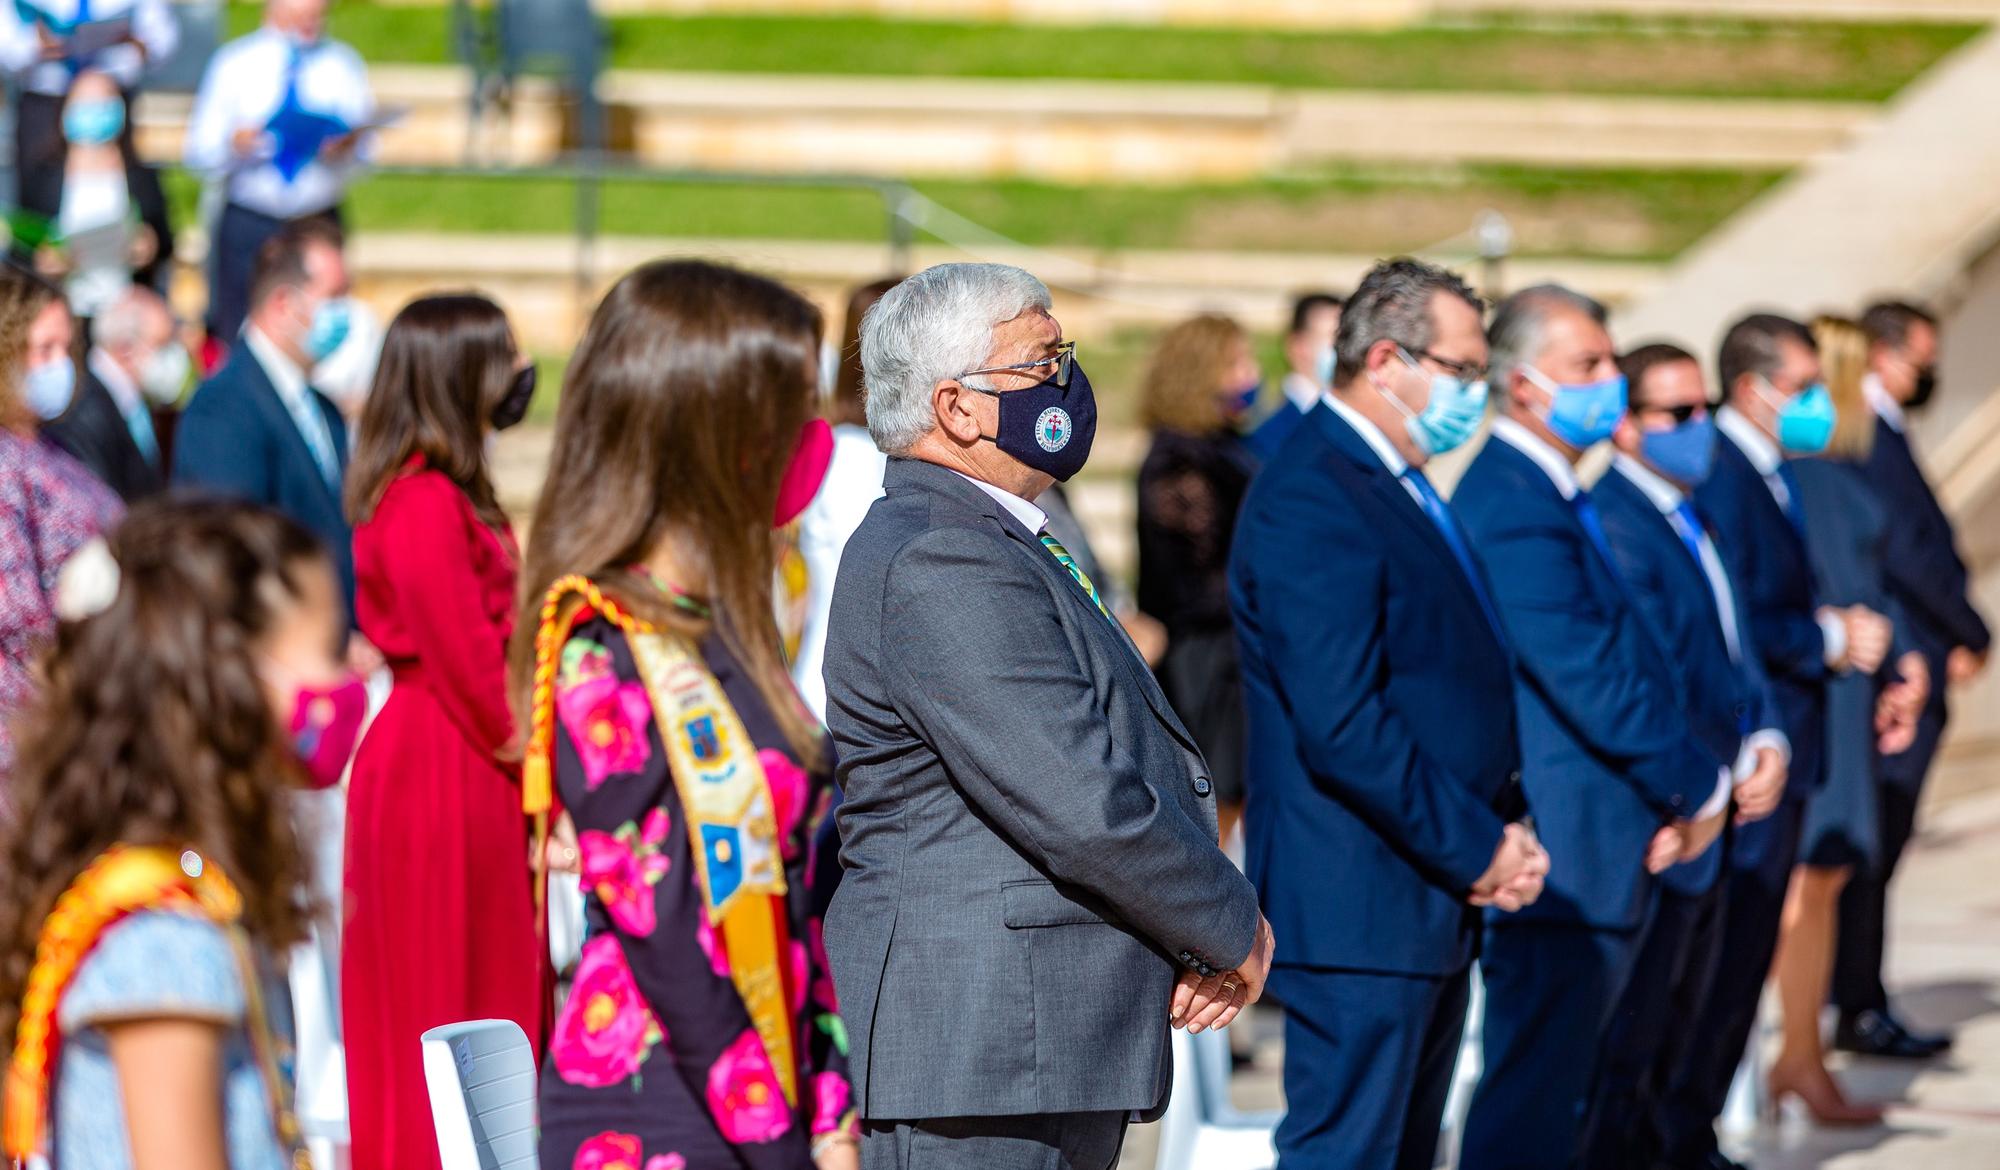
pixel 930 328
pixel 1521 324
pixel 1393 303
pixel 123 322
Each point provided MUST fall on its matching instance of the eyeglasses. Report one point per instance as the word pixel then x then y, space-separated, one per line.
pixel 1463 371
pixel 1680 414
pixel 1063 359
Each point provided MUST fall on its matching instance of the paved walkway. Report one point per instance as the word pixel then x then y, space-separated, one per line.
pixel 1945 972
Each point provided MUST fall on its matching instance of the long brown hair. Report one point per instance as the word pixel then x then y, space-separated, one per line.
pixel 23 296
pixel 447 360
pixel 1186 372
pixel 850 390
pixel 1843 364
pixel 153 727
pixel 678 414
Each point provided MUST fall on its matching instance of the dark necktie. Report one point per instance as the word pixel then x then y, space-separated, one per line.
pixel 1593 527
pixel 1794 506
pixel 1447 526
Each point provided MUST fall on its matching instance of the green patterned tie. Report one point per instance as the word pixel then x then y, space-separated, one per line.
pixel 1082 578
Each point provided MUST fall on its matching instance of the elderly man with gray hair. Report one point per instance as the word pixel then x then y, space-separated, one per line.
pixel 1033 890
pixel 136 364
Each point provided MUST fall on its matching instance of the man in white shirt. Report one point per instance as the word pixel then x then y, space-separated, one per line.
pixel 1309 356
pixel 280 123
pixel 44 45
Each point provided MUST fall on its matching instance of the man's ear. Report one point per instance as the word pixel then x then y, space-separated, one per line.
pixel 948 403
pixel 1625 436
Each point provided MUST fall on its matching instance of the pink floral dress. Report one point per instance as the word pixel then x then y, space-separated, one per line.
pixel 654 1063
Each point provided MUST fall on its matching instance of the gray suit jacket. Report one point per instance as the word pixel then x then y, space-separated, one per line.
pixel 1028 833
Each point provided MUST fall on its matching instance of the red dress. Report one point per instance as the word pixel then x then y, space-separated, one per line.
pixel 440 917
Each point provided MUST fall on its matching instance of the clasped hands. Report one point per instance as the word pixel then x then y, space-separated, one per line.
pixel 1204 1002
pixel 1515 877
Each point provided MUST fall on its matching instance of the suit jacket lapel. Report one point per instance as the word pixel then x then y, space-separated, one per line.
pixel 279 417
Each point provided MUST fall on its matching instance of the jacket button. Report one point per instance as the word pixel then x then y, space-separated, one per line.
pixel 1201 786
pixel 1513 777
pixel 1186 958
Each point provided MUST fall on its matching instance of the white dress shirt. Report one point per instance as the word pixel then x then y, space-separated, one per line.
pixel 153 26
pixel 1558 469
pixel 1884 403
pixel 853 484
pixel 1301 390
pixel 1031 517
pixel 1668 499
pixel 290 383
pixel 244 86
pixel 1764 455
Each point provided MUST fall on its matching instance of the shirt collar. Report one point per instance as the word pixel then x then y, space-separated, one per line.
pixel 286 377
pixel 1031 517
pixel 1370 434
pixel 1545 457
pixel 1301 390
pixel 1886 407
pixel 1755 444
pixel 124 391
pixel 1665 496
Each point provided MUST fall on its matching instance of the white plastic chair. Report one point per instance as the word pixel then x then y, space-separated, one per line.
pixel 482 1079
pixel 1201 1129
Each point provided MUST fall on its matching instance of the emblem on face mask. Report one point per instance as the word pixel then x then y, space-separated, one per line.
pixel 1052 429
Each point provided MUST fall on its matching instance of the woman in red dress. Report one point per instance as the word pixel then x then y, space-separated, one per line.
pixel 439 917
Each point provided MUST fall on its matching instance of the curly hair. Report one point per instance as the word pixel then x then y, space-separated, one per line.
pixel 152 727
pixel 1186 372
pixel 23 296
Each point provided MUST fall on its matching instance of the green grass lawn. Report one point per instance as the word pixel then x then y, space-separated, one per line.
pixel 1724 58
pixel 1617 214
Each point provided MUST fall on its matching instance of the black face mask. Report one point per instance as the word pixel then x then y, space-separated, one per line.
pixel 1048 427
pixel 1926 385
pixel 513 405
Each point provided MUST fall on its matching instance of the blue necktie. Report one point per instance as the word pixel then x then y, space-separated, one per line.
pixel 1593 527
pixel 1689 529
pixel 1794 507
pixel 1447 526
pixel 139 421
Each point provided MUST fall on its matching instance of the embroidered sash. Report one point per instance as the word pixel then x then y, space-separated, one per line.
pixel 122 881
pixel 725 801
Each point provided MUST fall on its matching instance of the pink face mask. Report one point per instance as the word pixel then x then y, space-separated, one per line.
pixel 326 724
pixel 806 471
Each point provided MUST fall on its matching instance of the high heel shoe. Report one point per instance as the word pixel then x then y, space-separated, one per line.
pixel 1816 1089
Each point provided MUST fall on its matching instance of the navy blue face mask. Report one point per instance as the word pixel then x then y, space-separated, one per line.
pixel 1048 426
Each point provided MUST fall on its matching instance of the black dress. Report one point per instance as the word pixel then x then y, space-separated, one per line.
pixel 1846 525
pixel 1190 490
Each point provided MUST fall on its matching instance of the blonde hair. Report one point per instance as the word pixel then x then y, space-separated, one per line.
pixel 1185 375
pixel 1843 362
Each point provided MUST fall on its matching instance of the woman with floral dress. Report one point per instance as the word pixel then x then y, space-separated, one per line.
pixel 701 1030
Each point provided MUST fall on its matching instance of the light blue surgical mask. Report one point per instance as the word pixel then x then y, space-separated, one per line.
pixel 49 387
pixel 1582 414
pixel 1323 367
pixel 330 323
pixel 93 123
pixel 1805 422
pixel 1449 418
pixel 1685 454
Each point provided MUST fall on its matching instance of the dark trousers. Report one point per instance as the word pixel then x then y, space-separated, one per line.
pixel 1551 990
pixel 41 154
pixel 1760 871
pixel 1649 1036
pixel 1368 1063
pixel 1864 903
pixel 1047 1141
pixel 240 234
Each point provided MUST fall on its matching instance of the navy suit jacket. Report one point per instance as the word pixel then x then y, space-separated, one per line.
pixel 1775 576
pixel 1724 699
pixel 236 438
pixel 1383 762
pixel 1606 753
pixel 1273 431
pixel 1925 573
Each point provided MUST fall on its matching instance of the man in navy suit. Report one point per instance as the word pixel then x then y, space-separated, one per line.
pixel 1384 785
pixel 1309 353
pixel 1771 380
pixel 1927 578
pixel 1620 786
pixel 257 429
pixel 1675 572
